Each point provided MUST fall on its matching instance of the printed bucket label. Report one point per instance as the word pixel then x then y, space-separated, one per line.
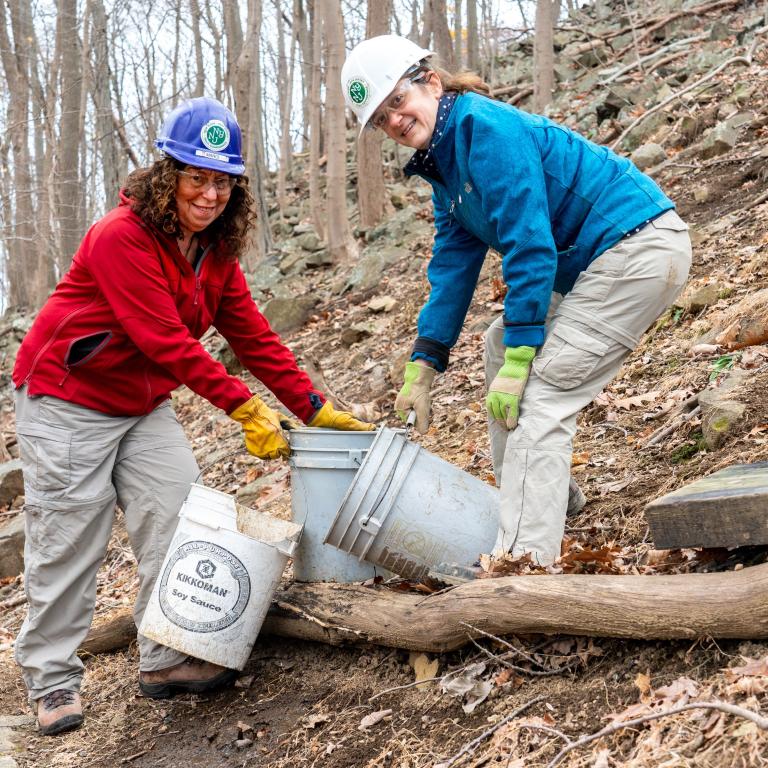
pixel 204 587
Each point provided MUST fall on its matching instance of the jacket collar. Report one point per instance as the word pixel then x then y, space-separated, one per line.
pixel 422 163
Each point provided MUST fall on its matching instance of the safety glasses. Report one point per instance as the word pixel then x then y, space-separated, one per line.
pixel 201 182
pixel 398 99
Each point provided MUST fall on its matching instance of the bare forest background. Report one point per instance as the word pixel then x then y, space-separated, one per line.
pixel 86 84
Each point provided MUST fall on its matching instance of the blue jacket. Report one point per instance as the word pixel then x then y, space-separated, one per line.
pixel 548 200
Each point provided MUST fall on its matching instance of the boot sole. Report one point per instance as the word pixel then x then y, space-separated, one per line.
pixel 171 688
pixel 66 723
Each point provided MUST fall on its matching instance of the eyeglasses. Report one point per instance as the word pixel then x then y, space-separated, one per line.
pixel 397 99
pixel 201 182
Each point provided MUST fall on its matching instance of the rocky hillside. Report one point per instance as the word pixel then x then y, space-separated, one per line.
pixel 684 91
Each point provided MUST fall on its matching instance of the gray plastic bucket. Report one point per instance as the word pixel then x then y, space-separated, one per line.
pixel 323 464
pixel 415 514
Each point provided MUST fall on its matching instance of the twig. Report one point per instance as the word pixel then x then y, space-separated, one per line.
pixel 13 602
pixel 731 709
pixel 407 685
pixel 522 670
pixel 509 645
pixel 733 60
pixel 649 57
pixel 470 748
pixel 678 421
pixel 313 619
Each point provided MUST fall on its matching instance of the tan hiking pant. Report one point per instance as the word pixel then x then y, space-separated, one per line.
pixel 590 332
pixel 77 464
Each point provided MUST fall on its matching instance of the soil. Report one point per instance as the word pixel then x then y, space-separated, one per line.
pixel 301 704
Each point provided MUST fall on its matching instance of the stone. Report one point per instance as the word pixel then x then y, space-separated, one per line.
pixel 382 304
pixel 249 494
pixel 293 261
pixel 309 241
pixel 698 297
pixel 16 721
pixel 11 481
pixel 641 133
pixel 740 119
pixel 227 357
pixel 702 194
pixel 719 31
pixel 721 139
pixel 265 277
pixel 355 333
pixel 369 269
pixel 398 196
pixel 320 258
pixel 288 314
pixel 719 416
pixel 12 547
pixel 648 155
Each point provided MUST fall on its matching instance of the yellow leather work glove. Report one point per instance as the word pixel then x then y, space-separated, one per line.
pixel 330 418
pixel 415 394
pixel 261 428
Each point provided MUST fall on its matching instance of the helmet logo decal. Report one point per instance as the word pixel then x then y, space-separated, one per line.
pixel 358 91
pixel 215 135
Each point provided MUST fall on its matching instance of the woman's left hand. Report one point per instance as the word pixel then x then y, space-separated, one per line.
pixel 330 418
pixel 503 400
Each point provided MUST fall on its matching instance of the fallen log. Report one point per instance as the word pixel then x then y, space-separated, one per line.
pixel 731 604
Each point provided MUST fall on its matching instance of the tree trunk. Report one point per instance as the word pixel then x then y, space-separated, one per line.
pixel 102 101
pixel 70 191
pixel 442 33
pixel 316 206
pixel 301 22
pixel 473 43
pixel 285 74
pixel 457 35
pixel 197 42
pixel 248 101
pixel 543 55
pixel 19 219
pixel 371 192
pixel 340 243
pixel 731 604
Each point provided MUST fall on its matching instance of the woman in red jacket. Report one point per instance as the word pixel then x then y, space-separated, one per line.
pixel 93 380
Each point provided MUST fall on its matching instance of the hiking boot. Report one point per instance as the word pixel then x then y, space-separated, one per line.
pixel 59 711
pixel 189 676
pixel 576 499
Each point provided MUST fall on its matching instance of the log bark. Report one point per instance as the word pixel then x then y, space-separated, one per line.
pixel 731 604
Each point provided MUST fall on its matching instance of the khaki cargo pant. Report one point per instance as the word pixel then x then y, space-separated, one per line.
pixel 77 464
pixel 589 334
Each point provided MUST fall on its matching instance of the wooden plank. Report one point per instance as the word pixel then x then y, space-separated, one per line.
pixel 729 508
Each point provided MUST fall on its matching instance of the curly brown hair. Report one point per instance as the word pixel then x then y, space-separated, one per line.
pixel 152 191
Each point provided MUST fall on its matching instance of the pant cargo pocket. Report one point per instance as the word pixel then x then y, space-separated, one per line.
pixel 568 357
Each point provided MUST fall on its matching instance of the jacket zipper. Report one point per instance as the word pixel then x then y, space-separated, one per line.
pixel 48 344
pixel 68 368
pixel 198 282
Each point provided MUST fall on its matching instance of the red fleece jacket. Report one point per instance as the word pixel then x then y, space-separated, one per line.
pixel 122 328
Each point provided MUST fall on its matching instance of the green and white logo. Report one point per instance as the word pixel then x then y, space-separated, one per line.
pixel 358 91
pixel 215 135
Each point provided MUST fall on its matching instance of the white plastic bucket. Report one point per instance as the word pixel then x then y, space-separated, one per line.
pixel 412 513
pixel 324 463
pixel 218 578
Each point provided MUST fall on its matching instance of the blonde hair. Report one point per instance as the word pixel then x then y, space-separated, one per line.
pixel 462 82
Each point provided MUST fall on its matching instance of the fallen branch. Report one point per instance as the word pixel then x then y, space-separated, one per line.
pixel 747 60
pixel 726 604
pixel 472 746
pixel 651 56
pixel 722 706
pixel 668 429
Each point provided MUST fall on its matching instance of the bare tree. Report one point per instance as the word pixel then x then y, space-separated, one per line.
pixel 194 14
pixel 70 201
pixel 248 98
pixel 340 242
pixel 285 74
pixel 371 192
pixel 473 46
pixel 442 33
pixel 457 35
pixel 543 55
pixel 316 206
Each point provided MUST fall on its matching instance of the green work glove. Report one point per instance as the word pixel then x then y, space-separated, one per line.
pixel 414 396
pixel 261 428
pixel 503 401
pixel 330 418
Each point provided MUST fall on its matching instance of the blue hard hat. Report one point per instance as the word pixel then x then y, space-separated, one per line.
pixel 204 133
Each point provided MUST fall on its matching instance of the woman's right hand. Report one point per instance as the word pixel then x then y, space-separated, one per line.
pixel 261 428
pixel 415 393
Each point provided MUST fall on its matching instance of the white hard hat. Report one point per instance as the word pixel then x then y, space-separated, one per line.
pixel 372 70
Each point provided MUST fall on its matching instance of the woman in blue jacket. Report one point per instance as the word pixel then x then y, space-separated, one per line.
pixel 592 253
